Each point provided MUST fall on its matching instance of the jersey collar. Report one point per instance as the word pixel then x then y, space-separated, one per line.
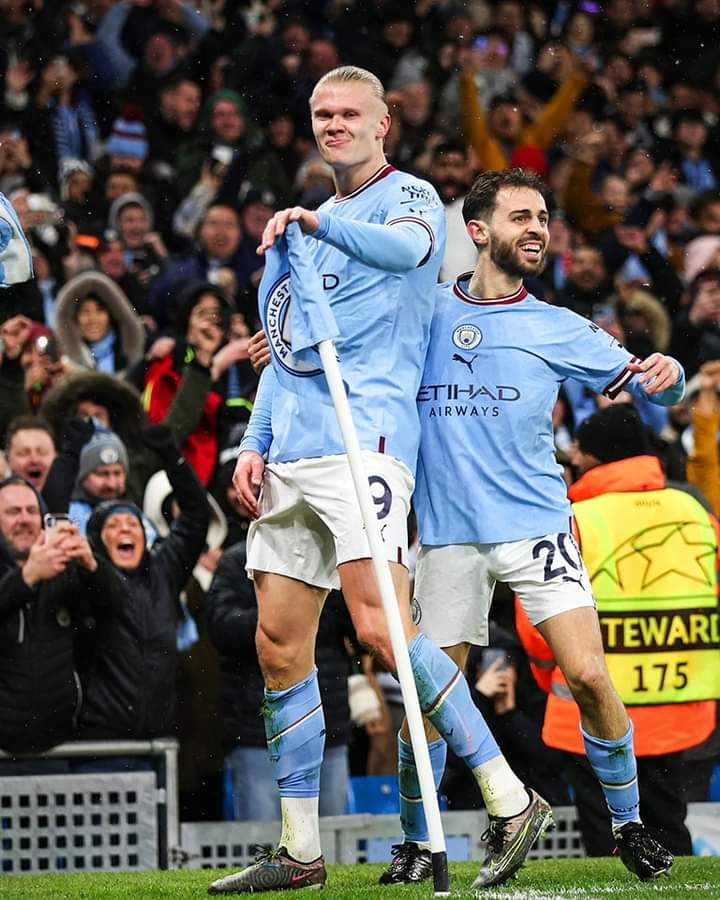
pixel 381 173
pixel 464 294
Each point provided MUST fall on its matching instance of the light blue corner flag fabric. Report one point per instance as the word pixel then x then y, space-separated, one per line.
pixel 295 315
pixel 15 256
pixel 311 319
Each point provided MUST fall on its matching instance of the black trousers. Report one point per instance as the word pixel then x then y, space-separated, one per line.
pixel 662 804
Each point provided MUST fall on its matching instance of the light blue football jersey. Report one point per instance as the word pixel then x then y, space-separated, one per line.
pixel 487 471
pixel 378 260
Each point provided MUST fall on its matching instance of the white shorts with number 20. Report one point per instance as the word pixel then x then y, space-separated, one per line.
pixel 310 521
pixel 454 584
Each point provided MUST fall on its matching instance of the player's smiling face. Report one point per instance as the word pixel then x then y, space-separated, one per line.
pixel 519 232
pixel 349 123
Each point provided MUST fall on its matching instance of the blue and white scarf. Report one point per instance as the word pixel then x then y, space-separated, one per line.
pixel 103 352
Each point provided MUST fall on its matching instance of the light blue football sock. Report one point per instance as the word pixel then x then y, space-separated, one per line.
pixel 412 811
pixel 295 730
pixel 615 766
pixel 445 699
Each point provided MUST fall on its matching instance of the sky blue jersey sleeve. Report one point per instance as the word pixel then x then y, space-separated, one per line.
pixel 406 239
pixel 589 354
pixel 669 397
pixel 258 435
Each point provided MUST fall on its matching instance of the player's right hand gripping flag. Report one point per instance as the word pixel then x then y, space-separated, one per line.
pixel 296 326
pixel 15 255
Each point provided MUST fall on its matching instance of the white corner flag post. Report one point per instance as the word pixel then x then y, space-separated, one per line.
pixel 438 849
pixel 313 326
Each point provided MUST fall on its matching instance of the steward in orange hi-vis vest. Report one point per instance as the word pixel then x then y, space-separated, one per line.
pixel 651 552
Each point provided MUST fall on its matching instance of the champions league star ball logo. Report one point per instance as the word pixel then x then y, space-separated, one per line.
pixel 277 327
pixel 467 337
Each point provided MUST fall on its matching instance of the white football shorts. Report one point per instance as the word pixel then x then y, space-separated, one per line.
pixel 310 521
pixel 454 584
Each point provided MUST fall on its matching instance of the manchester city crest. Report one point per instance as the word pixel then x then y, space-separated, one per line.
pixel 276 320
pixel 467 337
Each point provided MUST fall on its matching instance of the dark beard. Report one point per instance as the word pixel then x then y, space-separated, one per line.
pixel 501 253
pixel 17 554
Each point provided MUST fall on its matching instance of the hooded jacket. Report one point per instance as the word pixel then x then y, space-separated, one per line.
pixel 40 691
pixel 130 336
pixel 129 672
pixel 124 404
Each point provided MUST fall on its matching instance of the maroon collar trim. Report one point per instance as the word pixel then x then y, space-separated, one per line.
pixel 381 173
pixel 467 297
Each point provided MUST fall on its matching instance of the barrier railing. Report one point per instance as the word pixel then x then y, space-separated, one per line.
pixel 120 820
pixel 358 838
pixel 75 820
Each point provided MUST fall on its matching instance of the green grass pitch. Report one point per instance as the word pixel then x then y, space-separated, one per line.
pixel 565 879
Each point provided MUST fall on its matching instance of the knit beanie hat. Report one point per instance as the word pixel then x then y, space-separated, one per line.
pixel 131 199
pixel 231 97
pixel 103 449
pixel 128 138
pixel 614 433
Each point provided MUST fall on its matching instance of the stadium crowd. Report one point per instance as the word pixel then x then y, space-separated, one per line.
pixel 144 144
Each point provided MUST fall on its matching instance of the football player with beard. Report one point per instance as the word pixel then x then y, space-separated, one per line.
pixel 490 497
pixel 492 505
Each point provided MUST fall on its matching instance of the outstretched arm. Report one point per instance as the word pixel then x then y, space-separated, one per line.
pixel 578 348
pixel 399 245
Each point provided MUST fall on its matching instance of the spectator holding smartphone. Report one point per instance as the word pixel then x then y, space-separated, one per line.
pixel 131 216
pixel 46 581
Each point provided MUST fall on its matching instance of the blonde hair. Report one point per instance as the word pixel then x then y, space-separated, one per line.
pixel 349 74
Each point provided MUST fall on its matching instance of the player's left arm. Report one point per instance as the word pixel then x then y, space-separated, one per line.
pixel 413 230
pixel 586 352
pixel 400 245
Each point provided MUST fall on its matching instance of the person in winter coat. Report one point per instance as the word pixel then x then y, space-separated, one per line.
pixel 116 405
pixel 129 672
pixel 48 582
pixel 651 551
pixel 96 325
pixel 232 617
pixel 201 347
pixel 218 240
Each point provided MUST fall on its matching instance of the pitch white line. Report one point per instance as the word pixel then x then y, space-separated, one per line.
pixel 704 888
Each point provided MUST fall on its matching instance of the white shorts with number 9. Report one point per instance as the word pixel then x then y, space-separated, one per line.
pixel 454 584
pixel 310 521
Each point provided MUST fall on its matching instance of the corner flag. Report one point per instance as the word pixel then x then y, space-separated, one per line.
pixel 15 256
pixel 295 315
pixel 311 319
pixel 301 330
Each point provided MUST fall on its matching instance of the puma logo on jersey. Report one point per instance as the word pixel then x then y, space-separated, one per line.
pixel 465 362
